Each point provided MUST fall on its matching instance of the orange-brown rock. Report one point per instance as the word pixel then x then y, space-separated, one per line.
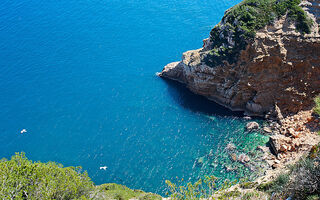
pixel 279 143
pixel 279 67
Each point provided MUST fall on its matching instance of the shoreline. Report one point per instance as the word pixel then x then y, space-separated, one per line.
pixel 298 132
pixel 290 146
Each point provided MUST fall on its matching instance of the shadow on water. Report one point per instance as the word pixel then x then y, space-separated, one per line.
pixel 197 103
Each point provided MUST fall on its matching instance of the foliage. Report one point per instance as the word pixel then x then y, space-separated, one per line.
pixel 247 185
pixel 317 107
pixel 21 178
pixel 250 195
pixel 120 192
pixel 200 189
pixel 301 182
pixel 313 197
pixel 240 23
pixel 277 185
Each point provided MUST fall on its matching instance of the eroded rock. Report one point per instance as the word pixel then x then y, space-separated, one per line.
pixel 252 126
pixel 277 143
pixel 278 72
pixel 243 158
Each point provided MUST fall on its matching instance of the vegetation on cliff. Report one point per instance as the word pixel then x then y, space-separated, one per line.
pixel 21 178
pixel 121 192
pixel 302 181
pixel 317 107
pixel 241 22
pixel 298 181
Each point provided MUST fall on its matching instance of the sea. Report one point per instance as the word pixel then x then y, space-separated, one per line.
pixel 79 77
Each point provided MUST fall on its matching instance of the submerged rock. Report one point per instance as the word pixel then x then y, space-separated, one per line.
pixel 231 146
pixel 233 157
pixel 210 155
pixel 200 161
pixel 230 168
pixel 243 158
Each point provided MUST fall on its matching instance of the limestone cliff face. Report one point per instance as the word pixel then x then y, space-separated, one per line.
pixel 278 67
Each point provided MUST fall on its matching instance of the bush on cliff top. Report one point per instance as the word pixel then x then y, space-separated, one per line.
pixel 21 178
pixel 241 22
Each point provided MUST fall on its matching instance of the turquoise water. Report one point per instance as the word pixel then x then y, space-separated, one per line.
pixel 79 76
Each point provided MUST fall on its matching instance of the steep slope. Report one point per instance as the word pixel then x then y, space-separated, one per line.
pixel 276 65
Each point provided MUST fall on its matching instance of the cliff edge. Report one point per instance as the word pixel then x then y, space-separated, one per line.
pixel 257 64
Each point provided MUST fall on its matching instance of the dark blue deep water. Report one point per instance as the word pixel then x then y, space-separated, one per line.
pixel 79 76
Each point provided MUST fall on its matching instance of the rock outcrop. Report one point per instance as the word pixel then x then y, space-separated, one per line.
pixel 280 68
pixel 252 126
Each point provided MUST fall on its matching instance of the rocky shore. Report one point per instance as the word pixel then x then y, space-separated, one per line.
pixel 291 138
pixel 278 67
pixel 277 76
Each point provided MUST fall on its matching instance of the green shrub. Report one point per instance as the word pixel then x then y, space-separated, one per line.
pixel 317 107
pixel 240 23
pixel 250 195
pixel 313 197
pixel 301 182
pixel 281 181
pixel 201 189
pixel 264 186
pixel 277 185
pixel 119 192
pixel 21 178
pixel 247 185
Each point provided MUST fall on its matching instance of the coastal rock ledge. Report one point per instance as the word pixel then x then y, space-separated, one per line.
pixel 278 67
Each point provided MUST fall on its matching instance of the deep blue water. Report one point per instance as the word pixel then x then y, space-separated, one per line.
pixel 80 77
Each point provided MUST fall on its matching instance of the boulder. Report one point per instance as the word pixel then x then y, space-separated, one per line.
pixel 247 117
pixel 229 168
pixel 279 114
pixel 233 157
pixel 263 149
pixel 279 143
pixel 252 126
pixel 267 130
pixel 243 158
pixel 274 166
pixel 210 155
pixel 199 162
pixel 293 133
pixel 231 146
pixel 283 148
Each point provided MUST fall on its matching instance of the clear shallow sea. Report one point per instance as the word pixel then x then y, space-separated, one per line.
pixel 80 77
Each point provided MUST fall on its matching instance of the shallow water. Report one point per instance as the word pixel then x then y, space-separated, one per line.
pixel 79 76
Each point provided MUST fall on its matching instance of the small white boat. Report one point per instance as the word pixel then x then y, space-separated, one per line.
pixel 23 131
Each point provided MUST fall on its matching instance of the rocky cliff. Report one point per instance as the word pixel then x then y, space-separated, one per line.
pixel 278 67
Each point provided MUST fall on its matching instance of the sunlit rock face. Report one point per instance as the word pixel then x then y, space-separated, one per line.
pixel 278 67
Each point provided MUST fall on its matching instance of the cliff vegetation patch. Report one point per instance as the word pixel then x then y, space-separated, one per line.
pixel 317 107
pixel 240 23
pixel 21 178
